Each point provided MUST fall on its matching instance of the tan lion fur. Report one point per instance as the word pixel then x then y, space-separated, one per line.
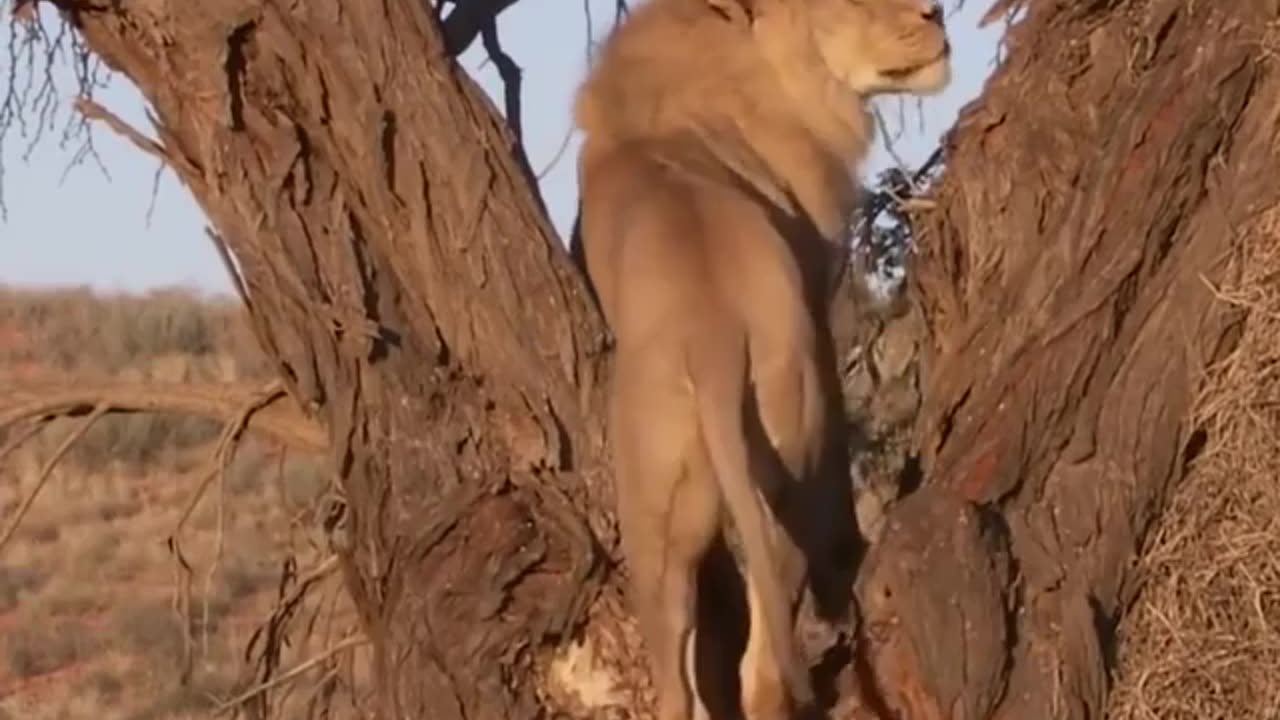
pixel 721 141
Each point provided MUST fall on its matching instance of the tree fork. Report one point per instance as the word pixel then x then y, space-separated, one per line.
pixel 401 275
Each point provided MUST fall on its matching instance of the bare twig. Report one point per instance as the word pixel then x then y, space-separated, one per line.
pixel 559 154
pixel 216 470
pixel 19 438
pixel 268 640
pixel 896 195
pixel 899 191
pixel 329 565
pixel 890 139
pixel 512 82
pixel 299 669
pixel 47 471
pixel 512 79
pixel 30 98
pixel 228 262
pixel 92 110
pixel 247 410
pixel 590 52
pixel 999 9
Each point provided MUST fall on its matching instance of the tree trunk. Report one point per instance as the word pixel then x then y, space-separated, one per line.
pixel 401 273
pixel 1089 196
pixel 400 270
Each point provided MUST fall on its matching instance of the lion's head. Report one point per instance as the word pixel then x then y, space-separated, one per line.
pixel 773 88
pixel 879 46
pixel 872 46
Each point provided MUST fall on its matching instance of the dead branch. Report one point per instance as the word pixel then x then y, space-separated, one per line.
pixel 468 18
pixel 266 645
pixel 47 471
pixel 245 408
pixel 30 102
pixel 901 188
pixel 299 669
pixel 92 110
pixel 233 272
pixel 999 9
pixel 20 437
pixel 280 418
pixel 512 77
pixel 216 468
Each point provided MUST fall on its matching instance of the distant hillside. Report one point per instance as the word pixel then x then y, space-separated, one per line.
pixel 77 331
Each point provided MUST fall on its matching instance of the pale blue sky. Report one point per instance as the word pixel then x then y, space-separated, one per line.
pixel 88 229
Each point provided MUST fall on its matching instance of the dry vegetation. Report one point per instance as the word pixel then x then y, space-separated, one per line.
pixel 91 623
pixel 1203 640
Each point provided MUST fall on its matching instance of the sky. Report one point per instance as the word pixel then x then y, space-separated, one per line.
pixel 99 226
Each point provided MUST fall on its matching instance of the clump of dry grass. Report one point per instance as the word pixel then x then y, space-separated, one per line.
pixel 1203 640
pixel 42 644
pixel 17 581
pixel 151 630
pixel 138 441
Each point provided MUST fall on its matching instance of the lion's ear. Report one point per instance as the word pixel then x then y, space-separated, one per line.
pixel 739 12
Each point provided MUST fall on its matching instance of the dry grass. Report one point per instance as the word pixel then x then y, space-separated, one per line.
pixel 93 601
pixel 88 624
pixel 42 643
pixel 1204 638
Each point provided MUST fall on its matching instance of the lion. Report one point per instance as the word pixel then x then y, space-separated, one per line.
pixel 721 141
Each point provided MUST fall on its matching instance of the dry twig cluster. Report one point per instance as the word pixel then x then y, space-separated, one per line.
pixel 27 411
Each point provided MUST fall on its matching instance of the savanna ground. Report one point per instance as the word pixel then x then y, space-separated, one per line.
pixel 90 594
pixel 91 597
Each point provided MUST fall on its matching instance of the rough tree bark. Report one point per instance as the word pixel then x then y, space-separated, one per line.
pixel 1090 197
pixel 400 271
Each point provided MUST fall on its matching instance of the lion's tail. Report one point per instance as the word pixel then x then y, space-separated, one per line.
pixel 719 370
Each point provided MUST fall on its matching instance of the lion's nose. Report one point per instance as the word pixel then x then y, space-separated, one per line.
pixel 931 11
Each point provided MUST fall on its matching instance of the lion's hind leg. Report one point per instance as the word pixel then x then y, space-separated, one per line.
pixel 669 512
